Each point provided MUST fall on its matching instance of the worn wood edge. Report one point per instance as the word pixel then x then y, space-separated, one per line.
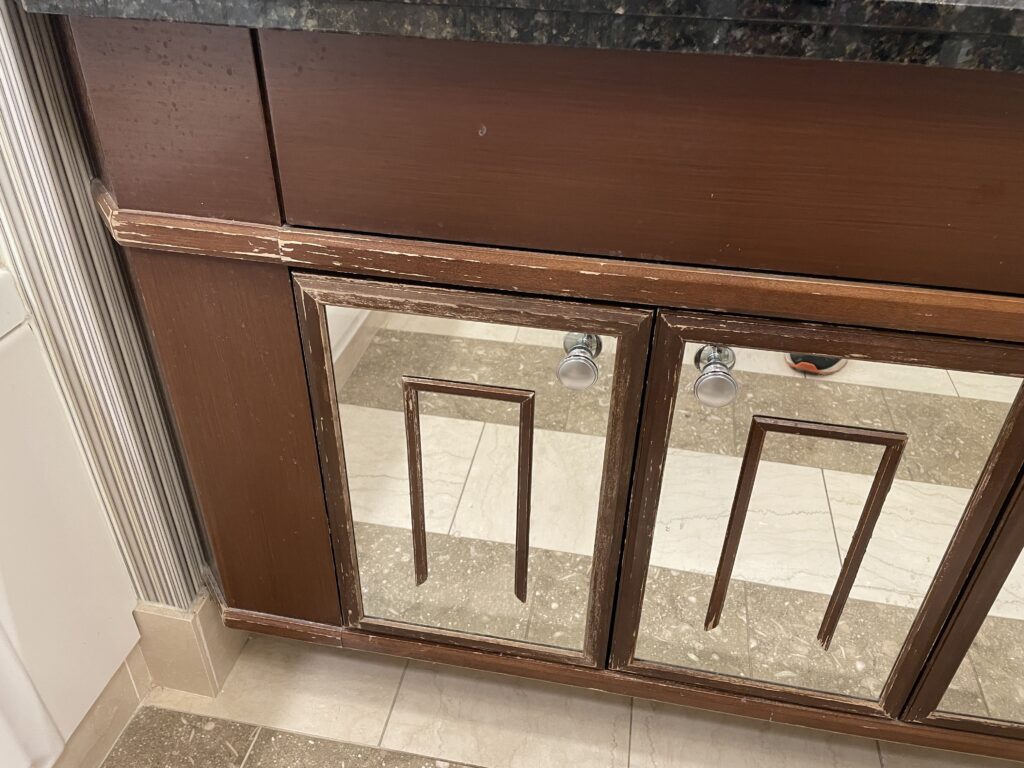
pixel 629 684
pixel 909 308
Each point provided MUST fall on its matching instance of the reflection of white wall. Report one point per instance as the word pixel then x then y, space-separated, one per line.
pixel 66 594
pixel 350 331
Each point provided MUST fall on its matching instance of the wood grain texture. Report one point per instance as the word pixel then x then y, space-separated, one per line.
pixel 951 313
pixel 226 344
pixel 177 117
pixel 627 684
pixel 862 171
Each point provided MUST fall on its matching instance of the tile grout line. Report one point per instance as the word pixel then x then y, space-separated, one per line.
pixel 252 744
pixel 878 750
pixel 465 481
pixel 394 699
pixel 832 518
pixel 950 377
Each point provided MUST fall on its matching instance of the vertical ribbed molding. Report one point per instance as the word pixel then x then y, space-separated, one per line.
pixel 66 267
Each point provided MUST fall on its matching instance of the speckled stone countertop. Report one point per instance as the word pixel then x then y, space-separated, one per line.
pixel 962 34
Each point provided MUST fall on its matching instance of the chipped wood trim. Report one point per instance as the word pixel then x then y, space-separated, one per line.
pixel 843 302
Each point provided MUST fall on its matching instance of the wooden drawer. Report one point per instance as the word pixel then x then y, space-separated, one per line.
pixel 888 173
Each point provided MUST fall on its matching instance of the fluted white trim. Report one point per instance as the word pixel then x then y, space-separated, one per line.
pixel 69 274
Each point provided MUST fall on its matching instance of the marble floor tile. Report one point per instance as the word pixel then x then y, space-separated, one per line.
pixel 905 756
pixel 950 437
pixel 910 378
pixel 672 624
pixel 985 386
pixel 783 626
pixel 504 722
pixel 1009 602
pixel 295 686
pixel 998 657
pixel 964 695
pixel 559 597
pixel 376 380
pixel 469 587
pixel 812 399
pixel 589 408
pixel 753 360
pixel 447 326
pixel 788 538
pixel 909 541
pixel 376 459
pixel 159 738
pixel 278 749
pixel 665 736
pixel 567 470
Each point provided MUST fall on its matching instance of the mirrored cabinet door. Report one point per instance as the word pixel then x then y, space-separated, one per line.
pixel 476 452
pixel 786 527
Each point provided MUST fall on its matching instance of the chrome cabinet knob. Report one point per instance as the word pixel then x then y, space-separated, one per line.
pixel 578 370
pixel 716 386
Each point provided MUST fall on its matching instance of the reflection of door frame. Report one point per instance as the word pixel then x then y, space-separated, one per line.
pixel 673 330
pixel 314 292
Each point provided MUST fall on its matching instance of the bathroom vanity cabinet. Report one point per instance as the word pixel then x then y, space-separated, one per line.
pixel 475 354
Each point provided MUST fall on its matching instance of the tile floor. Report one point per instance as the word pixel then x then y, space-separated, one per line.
pixel 288 704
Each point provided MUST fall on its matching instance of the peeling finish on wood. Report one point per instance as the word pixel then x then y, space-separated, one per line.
pixel 842 302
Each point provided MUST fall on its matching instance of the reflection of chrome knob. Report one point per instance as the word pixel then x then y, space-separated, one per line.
pixel 715 386
pixel 578 369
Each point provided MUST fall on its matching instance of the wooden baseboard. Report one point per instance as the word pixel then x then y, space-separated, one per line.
pixel 627 684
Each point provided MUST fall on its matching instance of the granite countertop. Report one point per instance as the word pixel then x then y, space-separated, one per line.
pixel 961 34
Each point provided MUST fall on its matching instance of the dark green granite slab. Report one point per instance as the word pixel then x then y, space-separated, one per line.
pixel 962 34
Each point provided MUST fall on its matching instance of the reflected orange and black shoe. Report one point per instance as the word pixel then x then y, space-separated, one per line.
pixel 818 365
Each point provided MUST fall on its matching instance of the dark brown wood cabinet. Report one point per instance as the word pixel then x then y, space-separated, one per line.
pixel 530 411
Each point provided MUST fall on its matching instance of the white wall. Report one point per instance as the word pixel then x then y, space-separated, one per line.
pixel 63 585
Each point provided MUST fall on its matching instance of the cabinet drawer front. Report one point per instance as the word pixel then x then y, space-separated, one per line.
pixel 786 532
pixel 842 170
pixel 476 498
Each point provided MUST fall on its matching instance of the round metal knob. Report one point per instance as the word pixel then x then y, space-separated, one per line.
pixel 716 386
pixel 578 370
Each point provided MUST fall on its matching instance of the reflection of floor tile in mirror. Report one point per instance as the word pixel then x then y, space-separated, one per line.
pixel 445 326
pixel 909 540
pixel 566 482
pixel 783 626
pixel 985 386
pixel 788 538
pixel 998 656
pixel 672 624
pixel 378 471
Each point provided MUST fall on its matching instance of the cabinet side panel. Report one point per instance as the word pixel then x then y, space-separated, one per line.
pixel 226 342
pixel 177 116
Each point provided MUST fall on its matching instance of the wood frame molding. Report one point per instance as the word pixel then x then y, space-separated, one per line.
pixel 672 332
pixel 924 310
pixel 632 327
pixel 868 725
pixel 524 398
pixel 760 427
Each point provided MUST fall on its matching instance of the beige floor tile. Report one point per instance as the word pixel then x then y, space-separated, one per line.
pixel 444 326
pixel 376 458
pixel 897 568
pixel 567 471
pixel 903 756
pixel 674 737
pixel 910 378
pixel 985 386
pixel 294 686
pixel 502 722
